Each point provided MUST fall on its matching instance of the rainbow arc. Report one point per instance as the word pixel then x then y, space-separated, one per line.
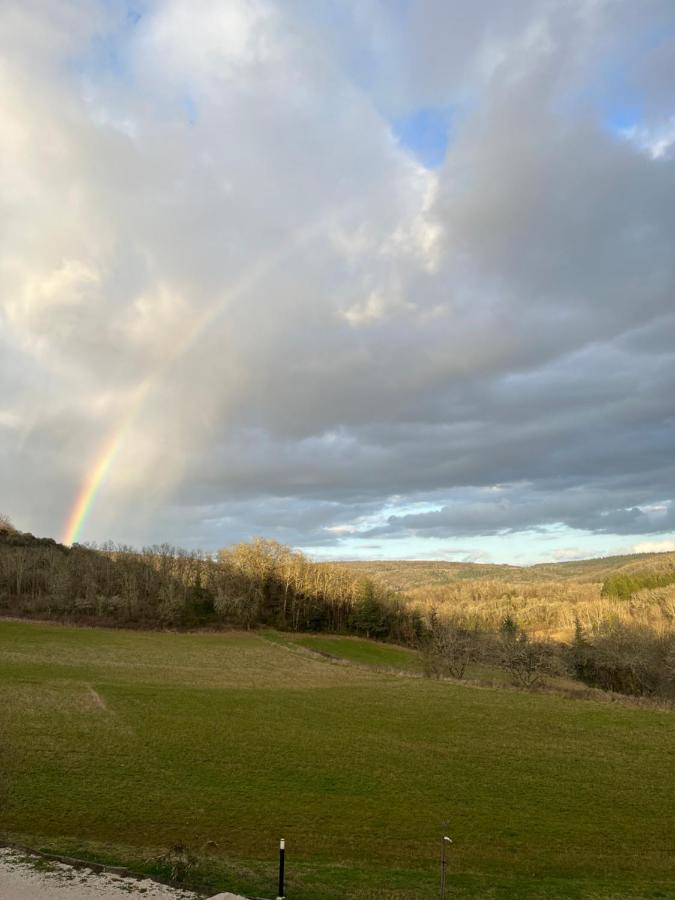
pixel 104 460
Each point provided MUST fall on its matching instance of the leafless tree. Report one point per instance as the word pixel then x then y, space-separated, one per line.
pixel 447 649
pixel 527 661
pixel 6 526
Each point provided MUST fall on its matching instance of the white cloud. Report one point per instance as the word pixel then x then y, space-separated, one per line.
pixel 664 546
pixel 658 142
pixel 42 308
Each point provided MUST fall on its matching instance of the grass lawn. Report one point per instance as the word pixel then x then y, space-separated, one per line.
pixel 120 744
pixel 358 650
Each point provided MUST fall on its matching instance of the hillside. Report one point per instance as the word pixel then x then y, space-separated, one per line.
pixel 119 745
pixel 404 575
pixel 546 599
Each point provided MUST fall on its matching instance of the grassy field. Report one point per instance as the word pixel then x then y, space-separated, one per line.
pixel 355 650
pixel 119 745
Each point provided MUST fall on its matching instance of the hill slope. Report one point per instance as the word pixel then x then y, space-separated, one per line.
pixel 402 575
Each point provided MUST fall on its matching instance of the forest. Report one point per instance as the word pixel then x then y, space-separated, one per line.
pixel 248 585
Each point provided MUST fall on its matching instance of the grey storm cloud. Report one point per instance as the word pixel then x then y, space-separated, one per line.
pixel 216 248
pixel 519 508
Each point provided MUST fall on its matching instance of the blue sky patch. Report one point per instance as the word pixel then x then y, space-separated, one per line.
pixel 425 133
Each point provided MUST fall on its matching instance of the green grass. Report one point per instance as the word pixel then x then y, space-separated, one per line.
pixel 119 744
pixel 362 652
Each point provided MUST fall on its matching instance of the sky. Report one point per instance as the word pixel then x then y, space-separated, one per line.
pixel 373 278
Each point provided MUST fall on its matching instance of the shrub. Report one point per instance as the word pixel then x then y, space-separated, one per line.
pixel 626 659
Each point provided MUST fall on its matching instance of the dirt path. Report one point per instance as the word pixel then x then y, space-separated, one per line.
pixel 27 877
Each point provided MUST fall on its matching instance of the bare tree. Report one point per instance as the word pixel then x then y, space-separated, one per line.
pixel 527 661
pixel 447 649
pixel 6 526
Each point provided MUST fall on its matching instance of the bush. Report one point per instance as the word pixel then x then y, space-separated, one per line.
pixel 625 659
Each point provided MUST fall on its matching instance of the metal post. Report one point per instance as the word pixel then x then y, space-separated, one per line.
pixel 282 854
pixel 445 840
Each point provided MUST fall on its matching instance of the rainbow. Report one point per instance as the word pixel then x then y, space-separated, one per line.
pixel 89 489
pixel 104 459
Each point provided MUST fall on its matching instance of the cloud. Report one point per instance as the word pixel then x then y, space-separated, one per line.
pixel 520 508
pixel 482 348
pixel 666 546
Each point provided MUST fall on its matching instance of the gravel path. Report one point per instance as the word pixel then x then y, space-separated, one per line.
pixel 27 877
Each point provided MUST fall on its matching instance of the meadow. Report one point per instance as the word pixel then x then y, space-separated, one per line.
pixel 118 745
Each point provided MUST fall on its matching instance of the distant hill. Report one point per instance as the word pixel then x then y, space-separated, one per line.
pixel 405 575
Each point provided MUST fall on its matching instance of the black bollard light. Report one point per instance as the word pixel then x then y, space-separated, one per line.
pixel 282 860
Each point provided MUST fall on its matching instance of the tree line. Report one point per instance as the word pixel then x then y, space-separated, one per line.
pixel 250 584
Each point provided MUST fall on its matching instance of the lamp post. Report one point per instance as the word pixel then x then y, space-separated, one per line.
pixel 445 841
pixel 282 860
